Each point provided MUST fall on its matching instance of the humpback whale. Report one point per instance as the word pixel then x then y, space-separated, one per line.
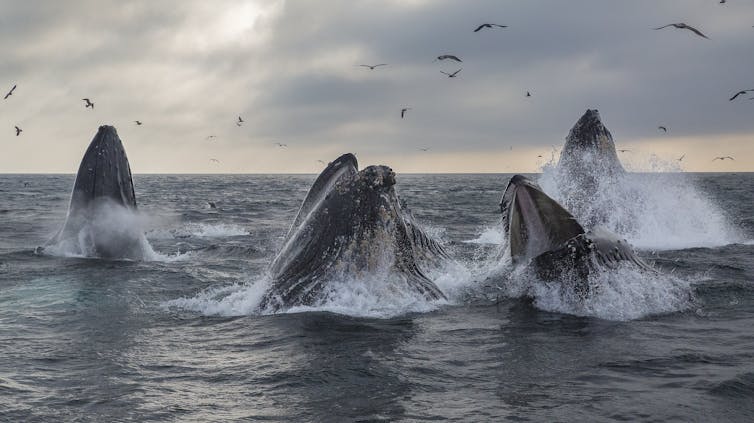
pixel 101 215
pixel 351 224
pixel 589 146
pixel 544 235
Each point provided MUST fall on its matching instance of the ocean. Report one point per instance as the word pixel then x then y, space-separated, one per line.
pixel 178 337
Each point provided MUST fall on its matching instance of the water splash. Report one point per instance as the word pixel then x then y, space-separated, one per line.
pixel 652 210
pixel 624 293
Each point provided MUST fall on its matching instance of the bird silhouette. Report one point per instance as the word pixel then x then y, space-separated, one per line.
pixel 723 158
pixel 320 161
pixel 404 110
pixel 482 26
pixel 209 137
pixel 240 121
pixel 448 56
pixel 371 67
pixel 681 158
pixel 88 103
pixel 662 128
pixel 10 93
pixel 214 160
pixel 137 122
pixel 281 145
pixel 682 25
pixel 18 130
pixel 424 149
pixel 624 151
pixel 739 93
pixel 528 94
pixel 211 205
pixel 451 75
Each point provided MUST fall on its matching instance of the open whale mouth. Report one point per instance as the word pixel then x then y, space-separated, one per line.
pixel 534 222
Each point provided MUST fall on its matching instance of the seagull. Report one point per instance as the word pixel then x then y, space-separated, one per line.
pixel 137 122
pixel 320 161
pixel 480 27
pixel 448 56
pixel 404 110
pixel 624 151
pixel 451 75
pixel 681 158
pixel 528 94
pixel 211 205
pixel 684 26
pixel 424 149
pixel 209 137
pixel 10 93
pixel 371 67
pixel 281 145
pixel 723 158
pixel 662 128
pixel 88 103
pixel 240 121
pixel 540 156
pixel 18 130
pixel 739 93
pixel 214 160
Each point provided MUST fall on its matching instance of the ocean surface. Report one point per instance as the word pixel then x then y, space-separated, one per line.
pixel 178 337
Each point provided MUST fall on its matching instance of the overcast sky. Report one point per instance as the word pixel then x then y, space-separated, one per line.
pixel 188 69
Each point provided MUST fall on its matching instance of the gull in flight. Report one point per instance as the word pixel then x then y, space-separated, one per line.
pixel 214 160
pixel 281 145
pixel 371 67
pixel 662 128
pixel 88 103
pixel 448 56
pixel 451 75
pixel 624 151
pixel 681 158
pixel 18 130
pixel 482 26
pixel 209 137
pixel 137 122
pixel 240 121
pixel 682 25
pixel 404 110
pixel 10 93
pixel 723 158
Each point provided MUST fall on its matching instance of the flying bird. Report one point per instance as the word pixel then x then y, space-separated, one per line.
pixel 624 151
pixel 448 56
pixel 214 160
pixel 209 137
pixel 682 25
pixel 662 128
pixel 723 158
pixel 528 94
pixel 681 158
pixel 10 93
pixel 424 149
pixel 404 110
pixel 18 130
pixel 739 93
pixel 451 75
pixel 137 122
pixel 88 103
pixel 281 145
pixel 482 26
pixel 371 67
pixel 320 161
pixel 240 121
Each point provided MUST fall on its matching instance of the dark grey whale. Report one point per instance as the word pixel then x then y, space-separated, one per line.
pixel 351 224
pixel 544 235
pixel 100 220
pixel 589 146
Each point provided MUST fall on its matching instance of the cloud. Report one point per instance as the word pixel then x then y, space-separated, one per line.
pixel 188 69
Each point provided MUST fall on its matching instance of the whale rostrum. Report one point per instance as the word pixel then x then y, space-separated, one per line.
pixel 351 224
pixel 100 219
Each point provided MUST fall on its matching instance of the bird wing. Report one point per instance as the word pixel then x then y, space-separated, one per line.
pixel 729 157
pixel 444 73
pixel 696 31
pixel 381 64
pixel 501 26
pixel 664 26
pixel 456 72
pixel 737 94
pixel 479 28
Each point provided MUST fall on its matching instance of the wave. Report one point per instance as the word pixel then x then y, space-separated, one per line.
pixel 199 230
pixel 494 236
